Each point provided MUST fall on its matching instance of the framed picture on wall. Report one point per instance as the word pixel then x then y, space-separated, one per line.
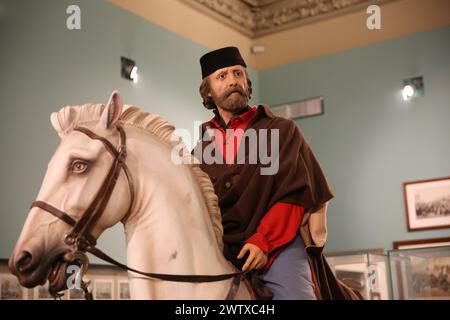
pixel 78 294
pixel 427 204
pixel 421 243
pixel 104 289
pixel 124 289
pixel 10 289
pixel 42 293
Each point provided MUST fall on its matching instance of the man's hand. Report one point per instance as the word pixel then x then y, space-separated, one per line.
pixel 256 258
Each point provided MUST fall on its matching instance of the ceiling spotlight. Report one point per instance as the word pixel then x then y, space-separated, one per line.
pixel 412 88
pixel 129 69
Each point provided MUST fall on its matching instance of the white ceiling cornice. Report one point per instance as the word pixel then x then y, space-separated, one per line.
pixel 256 18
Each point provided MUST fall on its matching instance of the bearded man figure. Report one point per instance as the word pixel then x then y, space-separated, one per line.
pixel 273 212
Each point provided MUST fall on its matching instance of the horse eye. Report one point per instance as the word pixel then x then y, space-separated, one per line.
pixel 79 166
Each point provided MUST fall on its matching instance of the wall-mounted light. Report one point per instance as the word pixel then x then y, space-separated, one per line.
pixel 258 49
pixel 412 88
pixel 129 69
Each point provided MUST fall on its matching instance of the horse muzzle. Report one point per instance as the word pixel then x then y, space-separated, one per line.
pixel 33 269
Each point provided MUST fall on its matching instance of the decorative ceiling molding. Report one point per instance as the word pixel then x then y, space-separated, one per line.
pixel 256 18
pixel 307 41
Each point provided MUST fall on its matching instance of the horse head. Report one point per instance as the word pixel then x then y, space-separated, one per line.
pixel 72 190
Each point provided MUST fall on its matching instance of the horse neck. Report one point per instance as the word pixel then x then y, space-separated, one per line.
pixel 170 230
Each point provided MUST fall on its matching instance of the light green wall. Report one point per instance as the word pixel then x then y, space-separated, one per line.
pixel 370 141
pixel 44 66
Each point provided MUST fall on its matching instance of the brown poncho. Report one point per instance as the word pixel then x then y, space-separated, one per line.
pixel 245 195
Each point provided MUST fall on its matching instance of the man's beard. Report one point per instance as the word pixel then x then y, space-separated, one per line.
pixel 232 100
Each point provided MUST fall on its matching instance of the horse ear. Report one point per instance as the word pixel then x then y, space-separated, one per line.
pixel 112 111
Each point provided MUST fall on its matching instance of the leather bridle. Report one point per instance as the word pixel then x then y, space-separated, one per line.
pixel 81 239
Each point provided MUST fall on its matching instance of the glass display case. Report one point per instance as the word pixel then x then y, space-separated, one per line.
pixel 422 273
pixel 367 273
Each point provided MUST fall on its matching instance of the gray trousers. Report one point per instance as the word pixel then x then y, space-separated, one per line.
pixel 289 276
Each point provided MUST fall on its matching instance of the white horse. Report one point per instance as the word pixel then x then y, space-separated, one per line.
pixel 173 225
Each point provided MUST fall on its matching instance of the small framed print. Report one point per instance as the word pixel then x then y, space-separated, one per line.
pixel 123 289
pixel 78 294
pixel 42 293
pixel 10 288
pixel 103 289
pixel 427 204
pixel 421 243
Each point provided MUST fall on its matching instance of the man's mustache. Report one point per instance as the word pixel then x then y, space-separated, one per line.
pixel 229 91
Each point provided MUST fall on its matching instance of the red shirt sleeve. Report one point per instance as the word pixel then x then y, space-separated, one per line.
pixel 278 227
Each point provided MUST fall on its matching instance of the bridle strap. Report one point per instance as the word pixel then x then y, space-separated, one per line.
pixel 166 277
pixel 56 212
pixel 106 142
pixel 61 215
pixel 98 205
pixel 115 153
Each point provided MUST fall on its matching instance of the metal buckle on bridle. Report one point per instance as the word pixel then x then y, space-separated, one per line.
pixel 122 155
pixel 69 239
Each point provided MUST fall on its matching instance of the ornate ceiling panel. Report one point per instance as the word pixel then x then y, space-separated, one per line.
pixel 256 18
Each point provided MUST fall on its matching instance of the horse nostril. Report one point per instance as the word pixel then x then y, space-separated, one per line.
pixel 24 261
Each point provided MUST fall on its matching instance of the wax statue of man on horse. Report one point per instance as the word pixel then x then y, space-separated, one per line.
pixel 274 224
